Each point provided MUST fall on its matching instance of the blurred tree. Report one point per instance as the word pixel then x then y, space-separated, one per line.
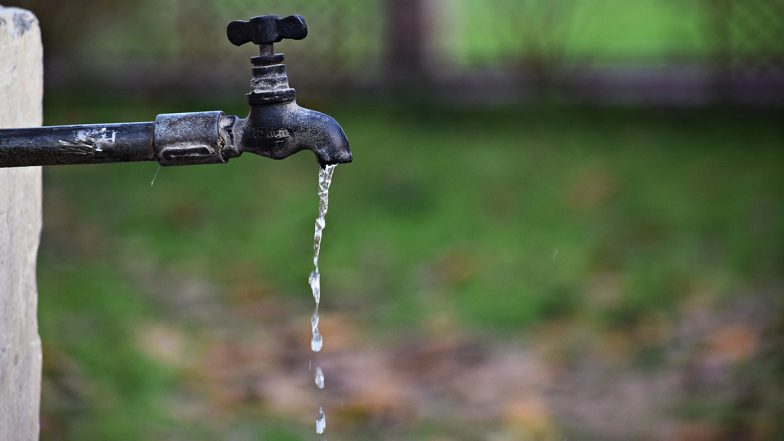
pixel 406 40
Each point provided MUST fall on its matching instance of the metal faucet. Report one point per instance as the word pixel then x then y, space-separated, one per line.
pixel 276 126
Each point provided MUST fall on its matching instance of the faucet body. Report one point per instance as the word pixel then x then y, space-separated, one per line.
pixel 276 126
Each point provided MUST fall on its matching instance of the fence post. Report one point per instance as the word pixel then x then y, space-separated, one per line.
pixel 21 95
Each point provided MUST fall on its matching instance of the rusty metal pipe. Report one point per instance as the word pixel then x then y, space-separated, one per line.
pixel 172 139
pixel 80 144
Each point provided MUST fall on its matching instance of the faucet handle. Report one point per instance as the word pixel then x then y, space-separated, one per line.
pixel 267 29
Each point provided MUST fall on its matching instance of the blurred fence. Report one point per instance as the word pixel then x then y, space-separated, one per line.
pixel 679 51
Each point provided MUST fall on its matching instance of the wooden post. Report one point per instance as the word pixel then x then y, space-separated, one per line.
pixel 21 95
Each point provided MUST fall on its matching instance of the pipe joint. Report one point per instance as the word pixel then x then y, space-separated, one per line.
pixel 189 138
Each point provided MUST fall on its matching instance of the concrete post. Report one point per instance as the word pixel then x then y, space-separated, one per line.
pixel 21 95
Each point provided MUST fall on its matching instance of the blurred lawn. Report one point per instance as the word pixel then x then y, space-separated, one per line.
pixel 504 219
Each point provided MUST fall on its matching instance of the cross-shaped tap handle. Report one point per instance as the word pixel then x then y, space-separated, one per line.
pixel 267 29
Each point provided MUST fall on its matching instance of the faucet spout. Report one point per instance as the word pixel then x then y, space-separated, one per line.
pixel 324 136
pixel 278 130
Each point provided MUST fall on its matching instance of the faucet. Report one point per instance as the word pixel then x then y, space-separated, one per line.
pixel 276 126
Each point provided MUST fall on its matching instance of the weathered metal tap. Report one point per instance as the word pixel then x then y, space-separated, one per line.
pixel 276 126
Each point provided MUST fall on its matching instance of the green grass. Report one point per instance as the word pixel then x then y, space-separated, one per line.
pixel 88 318
pixel 504 218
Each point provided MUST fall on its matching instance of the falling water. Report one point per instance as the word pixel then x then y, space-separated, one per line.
pixel 317 341
pixel 319 378
pixel 321 421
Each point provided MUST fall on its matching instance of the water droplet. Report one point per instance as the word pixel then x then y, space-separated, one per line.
pixel 317 342
pixel 314 322
pixel 319 378
pixel 321 421
pixel 315 285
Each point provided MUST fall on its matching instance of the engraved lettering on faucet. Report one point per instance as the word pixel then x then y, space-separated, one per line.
pixel 275 135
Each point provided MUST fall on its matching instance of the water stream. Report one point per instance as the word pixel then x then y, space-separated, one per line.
pixel 317 341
